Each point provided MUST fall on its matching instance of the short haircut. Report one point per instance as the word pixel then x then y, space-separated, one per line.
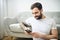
pixel 36 5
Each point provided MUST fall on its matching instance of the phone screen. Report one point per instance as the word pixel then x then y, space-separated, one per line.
pixel 25 24
pixel 28 31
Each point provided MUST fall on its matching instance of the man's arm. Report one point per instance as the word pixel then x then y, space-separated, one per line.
pixel 54 35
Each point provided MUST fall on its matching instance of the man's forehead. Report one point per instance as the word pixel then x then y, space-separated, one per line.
pixel 35 10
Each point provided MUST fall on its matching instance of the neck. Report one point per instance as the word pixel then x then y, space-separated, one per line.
pixel 43 16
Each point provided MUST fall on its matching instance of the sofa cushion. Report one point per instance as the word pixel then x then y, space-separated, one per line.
pixel 15 28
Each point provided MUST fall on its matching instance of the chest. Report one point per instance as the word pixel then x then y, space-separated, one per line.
pixel 41 26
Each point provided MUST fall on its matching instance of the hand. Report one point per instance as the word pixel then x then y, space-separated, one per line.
pixel 27 33
pixel 36 34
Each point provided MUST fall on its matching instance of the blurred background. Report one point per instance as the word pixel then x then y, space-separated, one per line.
pixel 15 11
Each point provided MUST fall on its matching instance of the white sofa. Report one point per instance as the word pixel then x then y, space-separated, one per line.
pixel 12 28
pixel 22 17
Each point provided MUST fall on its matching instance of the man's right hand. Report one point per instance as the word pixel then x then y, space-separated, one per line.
pixel 27 33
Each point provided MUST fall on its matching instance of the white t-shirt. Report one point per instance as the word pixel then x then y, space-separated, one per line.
pixel 42 26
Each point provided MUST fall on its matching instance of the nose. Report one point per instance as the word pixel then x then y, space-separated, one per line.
pixel 35 14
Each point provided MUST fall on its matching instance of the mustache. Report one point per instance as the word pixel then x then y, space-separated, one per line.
pixel 36 16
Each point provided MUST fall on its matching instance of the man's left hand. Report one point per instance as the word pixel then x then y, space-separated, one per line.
pixel 36 34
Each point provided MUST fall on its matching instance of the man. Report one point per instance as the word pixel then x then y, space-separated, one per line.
pixel 43 28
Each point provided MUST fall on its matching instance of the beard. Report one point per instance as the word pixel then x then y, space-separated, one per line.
pixel 38 17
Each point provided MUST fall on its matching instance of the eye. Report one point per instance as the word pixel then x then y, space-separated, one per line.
pixel 35 13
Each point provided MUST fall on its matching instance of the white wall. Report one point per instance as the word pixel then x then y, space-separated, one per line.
pixel 3 12
pixel 17 6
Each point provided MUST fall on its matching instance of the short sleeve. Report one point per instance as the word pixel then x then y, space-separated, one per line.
pixel 54 24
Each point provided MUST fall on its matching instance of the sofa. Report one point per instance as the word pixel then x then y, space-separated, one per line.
pixel 18 32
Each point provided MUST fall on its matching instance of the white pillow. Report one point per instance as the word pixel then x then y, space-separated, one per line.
pixel 15 27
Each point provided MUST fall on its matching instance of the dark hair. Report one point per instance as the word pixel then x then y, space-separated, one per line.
pixel 37 5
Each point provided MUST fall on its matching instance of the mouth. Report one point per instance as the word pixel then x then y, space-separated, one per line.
pixel 36 17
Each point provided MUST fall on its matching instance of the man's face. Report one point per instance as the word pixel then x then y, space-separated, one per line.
pixel 37 13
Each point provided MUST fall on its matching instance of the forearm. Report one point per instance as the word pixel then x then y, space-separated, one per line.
pixel 49 36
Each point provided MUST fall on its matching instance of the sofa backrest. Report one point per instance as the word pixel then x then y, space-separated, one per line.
pixel 24 15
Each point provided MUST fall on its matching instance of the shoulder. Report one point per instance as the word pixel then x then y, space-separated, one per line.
pixel 50 20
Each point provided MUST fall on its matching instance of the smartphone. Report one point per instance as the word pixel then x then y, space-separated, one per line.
pixel 28 31
pixel 27 25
